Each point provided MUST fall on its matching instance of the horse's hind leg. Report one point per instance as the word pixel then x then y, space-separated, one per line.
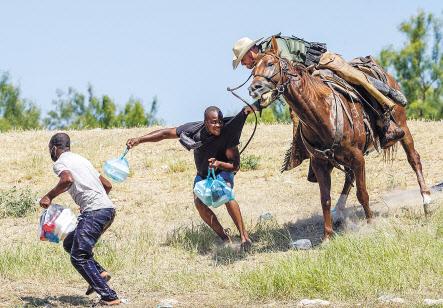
pixel 414 160
pixel 338 213
pixel 358 166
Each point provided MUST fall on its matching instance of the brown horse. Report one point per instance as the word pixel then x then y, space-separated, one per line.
pixel 332 138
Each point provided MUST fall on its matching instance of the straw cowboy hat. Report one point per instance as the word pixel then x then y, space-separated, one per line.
pixel 241 47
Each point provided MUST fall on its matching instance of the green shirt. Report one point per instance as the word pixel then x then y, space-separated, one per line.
pixel 291 49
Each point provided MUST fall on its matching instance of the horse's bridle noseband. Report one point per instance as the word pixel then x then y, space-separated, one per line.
pixel 280 86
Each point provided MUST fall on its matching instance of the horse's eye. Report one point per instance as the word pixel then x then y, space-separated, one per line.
pixel 270 64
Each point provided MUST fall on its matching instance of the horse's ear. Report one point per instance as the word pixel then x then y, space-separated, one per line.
pixel 274 46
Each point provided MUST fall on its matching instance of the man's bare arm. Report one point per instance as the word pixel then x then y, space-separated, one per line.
pixel 106 184
pixel 155 136
pixel 233 163
pixel 63 185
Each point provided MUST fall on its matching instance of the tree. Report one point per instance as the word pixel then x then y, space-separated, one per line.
pixel 15 112
pixel 418 65
pixel 73 111
pixel 68 109
pixel 277 112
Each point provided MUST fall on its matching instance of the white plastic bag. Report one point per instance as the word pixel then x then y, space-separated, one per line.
pixel 55 223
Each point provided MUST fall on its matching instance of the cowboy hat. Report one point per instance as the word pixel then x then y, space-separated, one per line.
pixel 241 47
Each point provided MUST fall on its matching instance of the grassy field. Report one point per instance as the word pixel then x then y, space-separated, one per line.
pixel 158 249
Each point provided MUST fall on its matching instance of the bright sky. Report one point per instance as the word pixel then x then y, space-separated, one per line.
pixel 177 50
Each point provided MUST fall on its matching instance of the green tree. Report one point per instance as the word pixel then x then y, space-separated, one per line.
pixel 69 107
pixel 418 65
pixel 72 110
pixel 16 112
pixel 277 112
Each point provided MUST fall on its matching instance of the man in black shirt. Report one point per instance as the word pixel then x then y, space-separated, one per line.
pixel 215 144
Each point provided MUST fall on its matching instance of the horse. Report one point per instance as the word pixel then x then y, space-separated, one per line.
pixel 331 138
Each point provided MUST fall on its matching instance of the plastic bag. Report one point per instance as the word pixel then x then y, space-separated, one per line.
pixel 55 223
pixel 213 191
pixel 117 169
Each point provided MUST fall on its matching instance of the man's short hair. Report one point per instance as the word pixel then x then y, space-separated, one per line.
pixel 213 109
pixel 61 141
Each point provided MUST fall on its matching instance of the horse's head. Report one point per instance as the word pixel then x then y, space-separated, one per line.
pixel 268 81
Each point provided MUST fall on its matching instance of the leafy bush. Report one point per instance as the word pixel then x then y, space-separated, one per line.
pixel 249 162
pixel 16 202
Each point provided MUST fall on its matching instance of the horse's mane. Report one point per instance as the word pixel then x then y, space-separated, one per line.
pixel 313 88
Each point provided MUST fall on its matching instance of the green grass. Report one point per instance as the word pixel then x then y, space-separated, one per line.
pixel 177 166
pixel 249 162
pixel 400 258
pixel 16 202
pixel 195 238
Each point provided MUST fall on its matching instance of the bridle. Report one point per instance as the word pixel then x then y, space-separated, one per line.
pixel 280 85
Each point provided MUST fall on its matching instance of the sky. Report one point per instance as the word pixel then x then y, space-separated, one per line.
pixel 179 51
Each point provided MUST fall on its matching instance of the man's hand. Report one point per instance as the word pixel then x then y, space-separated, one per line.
pixel 213 163
pixel 45 202
pixel 132 142
pixel 247 110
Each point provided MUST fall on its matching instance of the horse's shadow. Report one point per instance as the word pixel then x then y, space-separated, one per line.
pixel 267 236
pixel 49 301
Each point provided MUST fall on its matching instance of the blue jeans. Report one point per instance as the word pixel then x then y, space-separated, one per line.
pixel 79 244
pixel 225 175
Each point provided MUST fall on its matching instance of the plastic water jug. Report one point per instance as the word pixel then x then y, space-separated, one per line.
pixel 117 169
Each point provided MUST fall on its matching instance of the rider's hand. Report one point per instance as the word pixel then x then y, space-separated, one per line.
pixel 213 163
pixel 45 202
pixel 132 142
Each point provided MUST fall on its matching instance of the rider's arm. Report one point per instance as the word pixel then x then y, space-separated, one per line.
pixel 155 136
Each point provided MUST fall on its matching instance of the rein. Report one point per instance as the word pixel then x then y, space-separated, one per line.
pixel 249 105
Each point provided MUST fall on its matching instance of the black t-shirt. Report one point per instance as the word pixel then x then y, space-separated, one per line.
pixel 212 146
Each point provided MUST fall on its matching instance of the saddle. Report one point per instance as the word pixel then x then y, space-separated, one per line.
pixel 297 151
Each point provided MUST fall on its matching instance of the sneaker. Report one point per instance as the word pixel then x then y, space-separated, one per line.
pixel 90 290
pixel 114 302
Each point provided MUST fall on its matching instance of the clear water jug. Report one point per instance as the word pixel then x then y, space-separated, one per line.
pixel 117 169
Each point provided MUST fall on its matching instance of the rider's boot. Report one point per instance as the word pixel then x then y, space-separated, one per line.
pixel 390 132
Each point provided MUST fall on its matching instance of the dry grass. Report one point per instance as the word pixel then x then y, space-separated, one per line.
pixel 156 247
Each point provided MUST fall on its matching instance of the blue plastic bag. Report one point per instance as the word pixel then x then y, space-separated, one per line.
pixel 213 191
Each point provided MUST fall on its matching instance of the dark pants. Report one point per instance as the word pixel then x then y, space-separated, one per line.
pixel 79 244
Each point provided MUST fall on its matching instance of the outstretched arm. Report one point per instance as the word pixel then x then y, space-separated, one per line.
pixel 63 185
pixel 157 135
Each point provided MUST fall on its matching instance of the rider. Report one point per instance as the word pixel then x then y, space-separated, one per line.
pixel 314 54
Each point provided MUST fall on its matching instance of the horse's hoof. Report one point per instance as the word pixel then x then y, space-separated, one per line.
pixel 338 217
pixel 426 199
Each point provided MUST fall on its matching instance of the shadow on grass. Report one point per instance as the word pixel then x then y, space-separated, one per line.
pixel 266 235
pixel 49 301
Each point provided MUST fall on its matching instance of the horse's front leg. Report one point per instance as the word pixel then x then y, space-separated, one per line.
pixel 358 166
pixel 322 170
